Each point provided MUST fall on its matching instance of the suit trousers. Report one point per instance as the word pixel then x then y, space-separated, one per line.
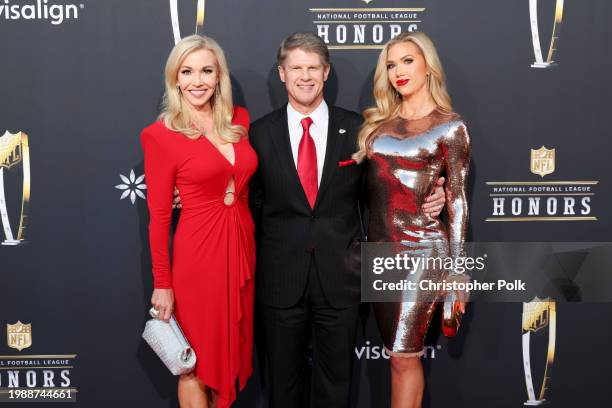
pixel 286 334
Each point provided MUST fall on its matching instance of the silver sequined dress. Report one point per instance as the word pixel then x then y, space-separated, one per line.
pixel 405 158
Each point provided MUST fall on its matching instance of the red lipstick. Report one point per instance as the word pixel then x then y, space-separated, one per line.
pixel 401 82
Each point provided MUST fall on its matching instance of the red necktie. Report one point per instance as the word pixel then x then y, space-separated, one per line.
pixel 307 163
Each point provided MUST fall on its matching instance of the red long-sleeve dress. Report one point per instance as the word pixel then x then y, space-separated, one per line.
pixel 213 250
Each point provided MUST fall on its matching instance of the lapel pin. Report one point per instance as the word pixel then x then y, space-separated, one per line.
pixel 342 131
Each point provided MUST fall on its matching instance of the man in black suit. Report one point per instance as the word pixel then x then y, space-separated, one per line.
pixel 304 197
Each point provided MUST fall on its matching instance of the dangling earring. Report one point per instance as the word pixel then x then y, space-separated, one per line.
pixel 178 88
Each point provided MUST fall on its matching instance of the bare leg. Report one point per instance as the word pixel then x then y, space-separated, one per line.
pixel 407 382
pixel 191 392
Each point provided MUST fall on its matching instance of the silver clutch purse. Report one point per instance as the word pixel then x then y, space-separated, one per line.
pixel 169 343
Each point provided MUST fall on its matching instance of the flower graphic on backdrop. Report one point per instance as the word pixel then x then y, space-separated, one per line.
pixel 132 186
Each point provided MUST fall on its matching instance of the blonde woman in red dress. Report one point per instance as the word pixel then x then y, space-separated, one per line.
pixel 199 144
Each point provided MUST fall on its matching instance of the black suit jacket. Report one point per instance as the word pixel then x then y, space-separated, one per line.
pixel 290 233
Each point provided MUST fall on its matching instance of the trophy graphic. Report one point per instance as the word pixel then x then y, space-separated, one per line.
pixel 14 149
pixel 538 314
pixel 535 34
pixel 176 30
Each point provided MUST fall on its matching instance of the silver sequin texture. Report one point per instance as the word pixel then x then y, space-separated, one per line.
pixel 405 158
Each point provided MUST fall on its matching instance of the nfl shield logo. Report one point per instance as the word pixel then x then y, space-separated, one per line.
pixel 542 161
pixel 19 335
pixel 10 149
pixel 535 314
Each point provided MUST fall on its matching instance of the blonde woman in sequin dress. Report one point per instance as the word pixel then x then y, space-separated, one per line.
pixel 409 139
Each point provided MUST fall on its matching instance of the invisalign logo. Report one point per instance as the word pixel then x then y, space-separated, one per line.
pixel 39 10
pixel 370 352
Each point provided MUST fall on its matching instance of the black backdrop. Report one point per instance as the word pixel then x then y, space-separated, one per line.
pixel 83 89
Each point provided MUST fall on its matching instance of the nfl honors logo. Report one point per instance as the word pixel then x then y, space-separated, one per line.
pixel 542 161
pixel 19 335
pixel 366 26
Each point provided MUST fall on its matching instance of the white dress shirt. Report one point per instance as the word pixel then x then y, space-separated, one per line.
pixel 318 131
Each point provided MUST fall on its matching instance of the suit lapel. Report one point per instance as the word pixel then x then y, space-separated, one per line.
pixel 285 155
pixel 332 152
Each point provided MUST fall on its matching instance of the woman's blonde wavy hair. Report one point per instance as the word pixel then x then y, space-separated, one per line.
pixel 179 116
pixel 387 100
